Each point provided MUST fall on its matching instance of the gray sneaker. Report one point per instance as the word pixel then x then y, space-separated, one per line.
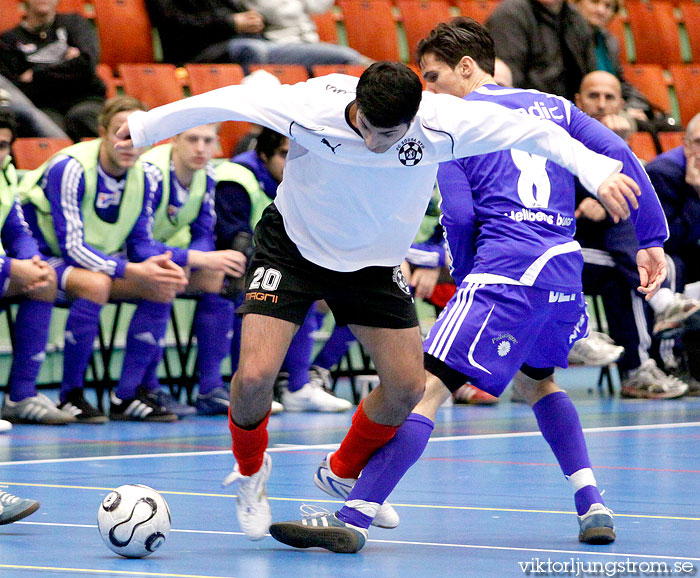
pixel 682 313
pixel 597 525
pixel 320 529
pixel 38 409
pixel 13 508
pixel 649 382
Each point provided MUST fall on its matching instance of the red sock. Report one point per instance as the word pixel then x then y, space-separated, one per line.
pixel 249 445
pixel 364 438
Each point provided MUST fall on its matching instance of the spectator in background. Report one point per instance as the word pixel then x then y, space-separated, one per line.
pixel 676 177
pixel 221 31
pixel 600 96
pixel 547 44
pixel 289 26
pixel 52 59
pixel 610 270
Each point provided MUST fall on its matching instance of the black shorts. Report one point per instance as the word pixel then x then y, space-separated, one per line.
pixel 281 283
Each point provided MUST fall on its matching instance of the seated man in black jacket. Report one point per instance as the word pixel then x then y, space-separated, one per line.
pixel 52 58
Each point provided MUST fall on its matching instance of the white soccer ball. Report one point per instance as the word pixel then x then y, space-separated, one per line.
pixel 134 520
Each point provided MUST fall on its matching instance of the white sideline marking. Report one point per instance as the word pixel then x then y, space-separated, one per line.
pixel 291 448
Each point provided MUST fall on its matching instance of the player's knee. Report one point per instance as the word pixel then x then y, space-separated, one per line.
pixel 251 382
pixel 94 287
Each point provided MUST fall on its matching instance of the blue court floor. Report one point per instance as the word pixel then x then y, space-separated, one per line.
pixel 486 500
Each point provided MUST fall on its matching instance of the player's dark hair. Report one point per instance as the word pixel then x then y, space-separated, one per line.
pixel 267 142
pixel 117 104
pixel 461 36
pixel 389 94
pixel 8 120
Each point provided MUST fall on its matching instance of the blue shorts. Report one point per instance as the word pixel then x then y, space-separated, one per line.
pixel 487 332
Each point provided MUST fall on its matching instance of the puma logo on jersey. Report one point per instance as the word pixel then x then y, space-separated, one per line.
pixel 329 145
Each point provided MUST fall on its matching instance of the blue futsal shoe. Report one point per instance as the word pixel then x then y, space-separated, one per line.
pixel 338 487
pixel 170 404
pixel 13 508
pixel 597 526
pixel 216 402
pixel 321 529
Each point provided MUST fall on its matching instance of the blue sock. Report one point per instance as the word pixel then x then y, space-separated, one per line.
pixel 296 363
pixel 31 335
pixel 386 468
pixel 82 326
pixel 144 345
pixel 561 427
pixel 213 319
pixel 150 377
pixel 337 345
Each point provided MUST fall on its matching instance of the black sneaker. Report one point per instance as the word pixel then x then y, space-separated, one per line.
pixel 140 408
pixel 80 409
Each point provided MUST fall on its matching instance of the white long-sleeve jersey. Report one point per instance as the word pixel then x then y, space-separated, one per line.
pixel 344 206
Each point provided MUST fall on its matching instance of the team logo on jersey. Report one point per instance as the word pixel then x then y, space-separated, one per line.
pixel 400 280
pixel 108 199
pixel 410 152
pixel 505 343
pixel 329 145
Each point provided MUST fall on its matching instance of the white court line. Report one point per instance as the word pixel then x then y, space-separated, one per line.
pixel 292 448
pixel 434 544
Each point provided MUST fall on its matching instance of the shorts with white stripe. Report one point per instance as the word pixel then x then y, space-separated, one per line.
pixel 487 332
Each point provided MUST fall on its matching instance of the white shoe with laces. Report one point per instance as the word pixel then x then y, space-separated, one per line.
pixel 649 382
pixel 596 350
pixel 682 312
pixel 312 397
pixel 338 487
pixel 253 507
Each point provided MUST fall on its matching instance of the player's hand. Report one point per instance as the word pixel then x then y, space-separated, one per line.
pixel 30 274
pixel 617 193
pixel 423 281
pixel 651 264
pixel 159 272
pixel 229 261
pixel 124 137
pixel 590 209
pixel 250 22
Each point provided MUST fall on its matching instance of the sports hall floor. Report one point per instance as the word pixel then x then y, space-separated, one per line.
pixel 486 499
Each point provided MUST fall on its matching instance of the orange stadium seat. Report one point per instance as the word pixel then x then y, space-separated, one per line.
pixel 29 153
pixel 419 18
pixel 655 32
pixel 326 26
pixel 125 31
pixel 205 77
pixel 154 84
pixel 105 73
pixel 649 78
pixel 686 80
pixel 616 27
pixel 670 140
pixel 642 144
pixel 479 10
pixel 690 12
pixel 287 73
pixel 349 69
pixel 371 28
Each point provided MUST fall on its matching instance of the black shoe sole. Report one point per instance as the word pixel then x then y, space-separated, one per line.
pixel 335 539
pixel 597 536
pixel 23 514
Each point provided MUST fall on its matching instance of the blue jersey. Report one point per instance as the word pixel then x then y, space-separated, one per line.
pixel 202 228
pixel 509 215
pixel 64 186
